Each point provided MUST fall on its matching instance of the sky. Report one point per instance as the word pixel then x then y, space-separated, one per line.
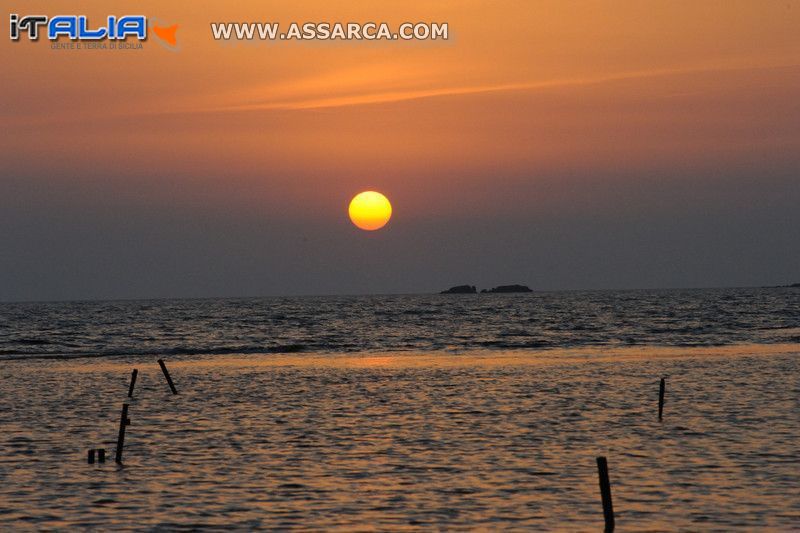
pixel 558 144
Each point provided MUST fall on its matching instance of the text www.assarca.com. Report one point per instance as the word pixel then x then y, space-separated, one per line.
pixel 327 31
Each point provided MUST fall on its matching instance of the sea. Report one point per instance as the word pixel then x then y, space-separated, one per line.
pixel 404 412
pixel 420 323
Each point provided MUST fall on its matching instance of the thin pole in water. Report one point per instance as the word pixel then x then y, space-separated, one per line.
pixel 133 382
pixel 605 493
pixel 661 398
pixel 166 375
pixel 123 421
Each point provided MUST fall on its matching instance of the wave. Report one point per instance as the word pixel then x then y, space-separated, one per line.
pixel 10 355
pixel 32 342
pixel 398 323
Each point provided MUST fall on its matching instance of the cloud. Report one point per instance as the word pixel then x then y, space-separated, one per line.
pixel 373 85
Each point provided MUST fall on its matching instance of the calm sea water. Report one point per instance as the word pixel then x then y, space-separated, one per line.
pixel 405 412
pixel 394 323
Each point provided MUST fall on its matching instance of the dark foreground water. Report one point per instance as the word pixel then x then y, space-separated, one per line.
pixel 708 317
pixel 405 412
pixel 400 441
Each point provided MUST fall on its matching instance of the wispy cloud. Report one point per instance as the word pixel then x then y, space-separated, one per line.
pixel 373 85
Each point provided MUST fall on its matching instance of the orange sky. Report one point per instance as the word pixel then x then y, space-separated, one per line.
pixel 531 83
pixel 526 97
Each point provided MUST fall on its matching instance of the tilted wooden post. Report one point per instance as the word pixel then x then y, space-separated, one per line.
pixel 605 493
pixel 133 382
pixel 166 375
pixel 123 421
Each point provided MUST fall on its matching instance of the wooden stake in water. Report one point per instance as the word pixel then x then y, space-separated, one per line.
pixel 133 382
pixel 661 398
pixel 123 421
pixel 605 493
pixel 101 456
pixel 166 375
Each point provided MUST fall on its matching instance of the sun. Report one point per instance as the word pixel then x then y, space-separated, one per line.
pixel 370 210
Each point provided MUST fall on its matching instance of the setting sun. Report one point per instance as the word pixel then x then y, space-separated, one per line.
pixel 370 210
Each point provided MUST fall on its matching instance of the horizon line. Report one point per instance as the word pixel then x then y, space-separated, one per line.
pixel 345 295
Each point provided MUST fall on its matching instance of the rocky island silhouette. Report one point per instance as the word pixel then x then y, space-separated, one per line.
pixel 470 289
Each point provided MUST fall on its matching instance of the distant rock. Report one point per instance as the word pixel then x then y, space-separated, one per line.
pixel 507 289
pixel 461 289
